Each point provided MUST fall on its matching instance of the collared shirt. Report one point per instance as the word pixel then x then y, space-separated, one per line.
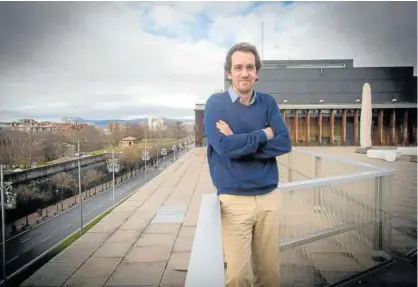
pixel 234 96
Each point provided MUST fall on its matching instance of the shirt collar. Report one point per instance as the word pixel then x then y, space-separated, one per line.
pixel 233 95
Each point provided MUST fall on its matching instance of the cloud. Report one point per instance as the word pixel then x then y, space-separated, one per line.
pixel 119 59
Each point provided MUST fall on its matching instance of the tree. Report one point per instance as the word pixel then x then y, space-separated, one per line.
pixel 24 194
pixel 92 176
pixel 131 156
pixel 63 181
pixel 13 147
pixel 45 197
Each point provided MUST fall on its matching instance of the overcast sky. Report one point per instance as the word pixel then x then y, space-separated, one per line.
pixel 101 60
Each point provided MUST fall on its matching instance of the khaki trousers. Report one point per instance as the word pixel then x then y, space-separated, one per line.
pixel 250 230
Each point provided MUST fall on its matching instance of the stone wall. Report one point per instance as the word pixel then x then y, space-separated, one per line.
pixel 49 170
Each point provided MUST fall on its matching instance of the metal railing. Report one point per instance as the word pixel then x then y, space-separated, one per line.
pixel 334 210
pixel 335 222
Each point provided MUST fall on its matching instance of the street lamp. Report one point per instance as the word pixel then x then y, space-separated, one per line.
pixel 174 148
pixel 164 153
pixel 181 148
pixel 145 157
pixel 113 166
pixel 156 145
pixel 79 186
pixel 6 203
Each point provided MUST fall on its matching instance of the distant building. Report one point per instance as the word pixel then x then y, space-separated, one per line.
pixel 320 101
pixel 128 142
pixel 116 127
pixel 155 123
pixel 30 125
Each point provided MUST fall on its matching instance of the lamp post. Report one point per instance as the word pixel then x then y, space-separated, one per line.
pixel 113 166
pixel 156 145
pixel 145 157
pixel 8 201
pixel 181 148
pixel 163 153
pixel 174 148
pixel 79 186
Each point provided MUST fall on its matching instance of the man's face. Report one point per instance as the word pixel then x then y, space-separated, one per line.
pixel 243 72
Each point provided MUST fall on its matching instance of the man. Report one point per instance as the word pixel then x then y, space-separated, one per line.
pixel 245 133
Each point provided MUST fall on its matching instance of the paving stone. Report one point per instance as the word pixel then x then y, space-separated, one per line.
pixel 187 231
pixel 113 249
pixel 137 274
pixel 97 268
pixel 162 228
pixel 91 239
pixel 85 282
pixel 104 227
pixel 125 235
pixel 52 274
pixel 168 218
pixel 173 278
pixel 179 261
pixel 151 239
pixel 74 254
pixel 184 244
pixel 148 254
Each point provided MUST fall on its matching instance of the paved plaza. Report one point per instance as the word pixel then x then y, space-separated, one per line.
pixel 147 240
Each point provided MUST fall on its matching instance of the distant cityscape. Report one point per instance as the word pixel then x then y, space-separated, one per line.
pixel 107 125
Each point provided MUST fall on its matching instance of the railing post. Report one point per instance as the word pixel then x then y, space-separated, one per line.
pixel 289 166
pixel 382 221
pixel 318 190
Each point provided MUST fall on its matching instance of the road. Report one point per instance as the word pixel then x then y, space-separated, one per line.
pixel 25 247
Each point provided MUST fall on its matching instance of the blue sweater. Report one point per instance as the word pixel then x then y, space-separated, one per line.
pixel 244 163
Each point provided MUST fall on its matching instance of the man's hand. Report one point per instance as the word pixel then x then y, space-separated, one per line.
pixel 224 128
pixel 270 132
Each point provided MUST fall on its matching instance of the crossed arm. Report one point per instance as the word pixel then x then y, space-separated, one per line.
pixel 256 143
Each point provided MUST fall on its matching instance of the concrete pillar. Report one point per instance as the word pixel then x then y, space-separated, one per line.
pixel 356 114
pixel 393 127
pixel 320 127
pixel 308 128
pixel 380 126
pixel 405 128
pixel 296 121
pixel 199 132
pixel 344 127
pixel 332 122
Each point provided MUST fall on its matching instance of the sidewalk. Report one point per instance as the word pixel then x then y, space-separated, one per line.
pixel 145 241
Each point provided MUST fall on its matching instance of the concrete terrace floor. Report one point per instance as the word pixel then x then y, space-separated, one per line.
pixel 147 240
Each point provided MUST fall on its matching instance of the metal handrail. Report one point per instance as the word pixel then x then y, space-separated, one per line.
pixel 339 159
pixel 323 181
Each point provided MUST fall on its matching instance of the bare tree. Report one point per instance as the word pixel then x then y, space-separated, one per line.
pixel 92 176
pixel 44 196
pixel 64 181
pixel 13 147
pixel 131 157
pixel 24 194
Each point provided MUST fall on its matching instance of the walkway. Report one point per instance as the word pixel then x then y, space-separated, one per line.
pixel 146 241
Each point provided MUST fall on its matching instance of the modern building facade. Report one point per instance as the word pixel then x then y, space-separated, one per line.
pixel 320 101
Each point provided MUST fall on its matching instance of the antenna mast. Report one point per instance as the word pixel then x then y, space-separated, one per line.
pixel 262 40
